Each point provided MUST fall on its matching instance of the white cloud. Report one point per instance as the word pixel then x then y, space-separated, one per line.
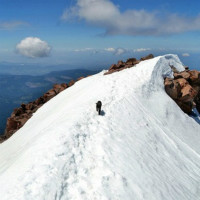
pixel 141 49
pixel 10 25
pixel 86 50
pixel 83 50
pixel 120 51
pixel 110 49
pixel 116 51
pixel 33 47
pixel 185 54
pixel 105 14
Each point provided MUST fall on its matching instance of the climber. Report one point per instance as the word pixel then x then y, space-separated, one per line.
pixel 98 107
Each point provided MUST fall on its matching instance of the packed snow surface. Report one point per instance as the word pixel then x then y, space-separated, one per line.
pixel 141 147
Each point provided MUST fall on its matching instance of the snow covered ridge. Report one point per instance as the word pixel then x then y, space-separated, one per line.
pixel 142 146
pixel 22 114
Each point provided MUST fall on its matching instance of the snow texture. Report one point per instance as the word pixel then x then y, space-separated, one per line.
pixel 142 147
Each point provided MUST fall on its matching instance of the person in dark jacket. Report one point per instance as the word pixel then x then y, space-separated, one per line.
pixel 98 107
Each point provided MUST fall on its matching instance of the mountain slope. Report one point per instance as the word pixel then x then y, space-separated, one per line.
pixel 142 147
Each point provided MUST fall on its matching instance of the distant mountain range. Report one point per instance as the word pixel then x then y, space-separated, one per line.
pixel 18 89
pixel 36 69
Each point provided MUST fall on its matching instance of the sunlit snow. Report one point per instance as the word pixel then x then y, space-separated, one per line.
pixel 142 147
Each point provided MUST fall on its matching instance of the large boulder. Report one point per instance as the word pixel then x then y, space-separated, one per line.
pixel 173 88
pixel 185 75
pixel 194 78
pixel 132 61
pixel 184 89
pixel 188 93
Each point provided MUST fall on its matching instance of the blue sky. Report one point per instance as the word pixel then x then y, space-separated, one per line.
pixel 97 32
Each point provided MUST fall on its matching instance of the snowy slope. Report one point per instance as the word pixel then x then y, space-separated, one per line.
pixel 142 147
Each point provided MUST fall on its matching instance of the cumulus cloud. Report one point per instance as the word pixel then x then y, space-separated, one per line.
pixel 185 54
pixel 12 25
pixel 33 47
pixel 116 51
pixel 105 14
pixel 120 51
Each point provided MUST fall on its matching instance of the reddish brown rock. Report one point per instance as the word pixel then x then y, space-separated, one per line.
pixel 188 93
pixel 177 76
pixel 122 65
pixel 184 89
pixel 71 83
pixel 185 75
pixel 182 82
pixel 173 88
pixel 132 61
pixel 49 95
pixel 12 124
pixel 194 78
pixel 64 85
pixel 37 102
pixel 17 112
pixel 58 88
pixel 80 78
pixel 113 67
pixel 150 56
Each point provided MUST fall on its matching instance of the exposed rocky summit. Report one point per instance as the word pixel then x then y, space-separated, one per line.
pixel 124 65
pixel 150 56
pixel 21 115
pixel 184 89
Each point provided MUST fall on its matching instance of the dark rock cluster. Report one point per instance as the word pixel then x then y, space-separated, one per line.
pixel 124 65
pixel 184 89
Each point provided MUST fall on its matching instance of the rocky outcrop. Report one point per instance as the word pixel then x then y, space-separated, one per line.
pixel 21 115
pixel 184 89
pixel 150 56
pixel 124 65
